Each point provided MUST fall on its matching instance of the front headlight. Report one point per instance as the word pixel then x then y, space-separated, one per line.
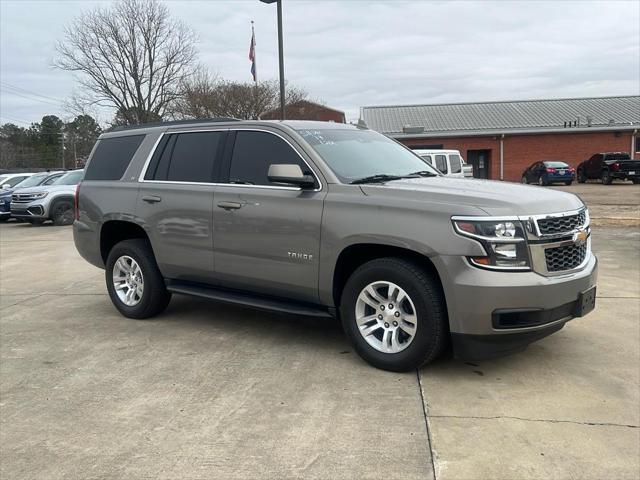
pixel 503 241
pixel 39 195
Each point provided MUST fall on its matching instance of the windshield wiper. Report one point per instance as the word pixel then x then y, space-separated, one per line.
pixel 376 179
pixel 422 173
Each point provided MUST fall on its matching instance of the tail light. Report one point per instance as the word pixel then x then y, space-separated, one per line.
pixel 572 170
pixel 616 167
pixel 551 170
pixel 76 202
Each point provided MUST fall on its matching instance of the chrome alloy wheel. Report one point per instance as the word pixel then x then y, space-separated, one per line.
pixel 128 281
pixel 386 317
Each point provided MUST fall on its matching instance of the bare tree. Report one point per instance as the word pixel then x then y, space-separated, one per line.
pixel 206 96
pixel 132 57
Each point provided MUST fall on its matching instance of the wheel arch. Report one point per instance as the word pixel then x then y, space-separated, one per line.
pixel 354 255
pixel 58 199
pixel 115 231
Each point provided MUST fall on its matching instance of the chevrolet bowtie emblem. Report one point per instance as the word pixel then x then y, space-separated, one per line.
pixel 580 237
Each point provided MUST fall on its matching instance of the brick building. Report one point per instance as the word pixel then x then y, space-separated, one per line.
pixel 500 139
pixel 306 110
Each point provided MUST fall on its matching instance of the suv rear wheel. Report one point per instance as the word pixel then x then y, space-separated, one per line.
pixel 135 284
pixel 394 314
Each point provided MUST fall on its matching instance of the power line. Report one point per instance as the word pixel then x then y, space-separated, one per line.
pixel 14 119
pixel 30 92
pixel 30 98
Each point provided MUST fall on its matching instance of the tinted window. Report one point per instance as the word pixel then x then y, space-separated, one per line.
pixel 51 180
pixel 428 159
pixel 192 157
pixel 71 178
pixel 13 181
pixel 441 163
pixel 254 152
pixel 112 156
pixel 456 163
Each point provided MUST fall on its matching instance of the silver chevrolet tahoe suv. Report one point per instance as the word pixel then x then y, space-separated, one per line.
pixel 325 219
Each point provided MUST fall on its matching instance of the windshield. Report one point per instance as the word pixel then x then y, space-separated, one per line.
pixel 71 178
pixel 33 180
pixel 455 162
pixel 355 154
pixel 556 164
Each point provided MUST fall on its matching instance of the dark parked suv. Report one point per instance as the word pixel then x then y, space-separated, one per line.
pixel 327 219
pixel 609 166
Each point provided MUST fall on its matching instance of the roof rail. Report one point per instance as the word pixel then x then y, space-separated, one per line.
pixel 174 122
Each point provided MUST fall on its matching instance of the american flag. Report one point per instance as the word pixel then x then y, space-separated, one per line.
pixel 252 55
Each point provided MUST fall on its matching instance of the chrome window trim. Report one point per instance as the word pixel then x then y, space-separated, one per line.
pixel 145 166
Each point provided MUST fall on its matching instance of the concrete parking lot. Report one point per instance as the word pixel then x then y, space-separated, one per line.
pixel 208 391
pixel 609 205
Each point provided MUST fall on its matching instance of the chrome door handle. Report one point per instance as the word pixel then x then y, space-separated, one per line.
pixel 230 205
pixel 151 198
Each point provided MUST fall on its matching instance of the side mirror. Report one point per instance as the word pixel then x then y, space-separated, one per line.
pixel 290 174
pixel 6 186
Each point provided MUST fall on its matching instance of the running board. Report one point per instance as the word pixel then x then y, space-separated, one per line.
pixel 249 300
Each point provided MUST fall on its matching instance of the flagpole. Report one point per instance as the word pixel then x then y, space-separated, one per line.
pixel 255 56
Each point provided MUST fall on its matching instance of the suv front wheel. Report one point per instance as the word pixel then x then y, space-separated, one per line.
pixel 394 313
pixel 134 282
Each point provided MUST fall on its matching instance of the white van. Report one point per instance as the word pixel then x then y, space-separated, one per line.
pixel 449 162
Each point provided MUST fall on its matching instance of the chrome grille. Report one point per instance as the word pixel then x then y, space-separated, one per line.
pixel 558 225
pixel 22 197
pixel 565 258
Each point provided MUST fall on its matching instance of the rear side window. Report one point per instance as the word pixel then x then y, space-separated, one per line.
pixel 112 157
pixel 441 163
pixel 456 163
pixel 186 157
pixel 254 152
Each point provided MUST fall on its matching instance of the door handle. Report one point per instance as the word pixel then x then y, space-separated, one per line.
pixel 230 205
pixel 151 198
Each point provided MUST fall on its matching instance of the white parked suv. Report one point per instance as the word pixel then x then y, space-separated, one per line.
pixel 53 202
pixel 449 162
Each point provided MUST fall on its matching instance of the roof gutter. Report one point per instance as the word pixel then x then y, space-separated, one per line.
pixel 524 131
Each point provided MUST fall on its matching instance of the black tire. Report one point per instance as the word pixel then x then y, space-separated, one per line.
pixel 62 212
pixel 4 218
pixel 568 182
pixel 635 181
pixel 606 178
pixel 34 221
pixel 542 182
pixel 432 332
pixel 582 178
pixel 155 296
pixel 524 180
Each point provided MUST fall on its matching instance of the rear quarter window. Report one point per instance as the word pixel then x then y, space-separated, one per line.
pixel 112 157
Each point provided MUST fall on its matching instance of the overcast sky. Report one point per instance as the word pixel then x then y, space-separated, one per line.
pixel 353 53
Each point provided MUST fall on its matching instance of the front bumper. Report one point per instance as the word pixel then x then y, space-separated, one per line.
pixel 34 210
pixel 476 297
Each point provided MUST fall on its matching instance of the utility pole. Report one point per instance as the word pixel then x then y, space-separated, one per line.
pixel 62 148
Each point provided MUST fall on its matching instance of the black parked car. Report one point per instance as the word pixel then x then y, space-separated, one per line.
pixel 548 172
pixel 608 166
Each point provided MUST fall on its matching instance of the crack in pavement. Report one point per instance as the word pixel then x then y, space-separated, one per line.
pixel 426 424
pixel 543 420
